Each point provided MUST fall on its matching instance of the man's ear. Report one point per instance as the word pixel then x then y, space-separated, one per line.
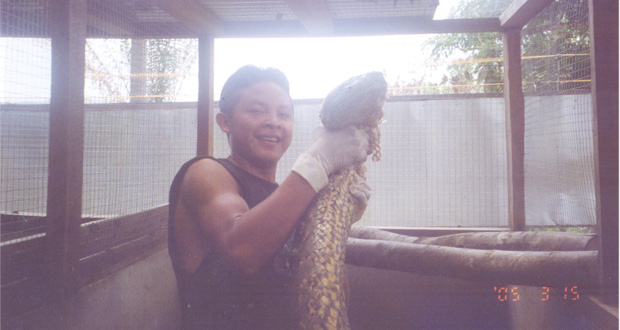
pixel 223 121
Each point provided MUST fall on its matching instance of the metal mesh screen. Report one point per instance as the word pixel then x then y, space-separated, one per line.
pixel 443 161
pixel 477 8
pixel 24 114
pixel 132 152
pixel 437 151
pixel 135 136
pixel 559 166
pixel 135 142
pixel 443 164
pixel 454 63
pixel 137 133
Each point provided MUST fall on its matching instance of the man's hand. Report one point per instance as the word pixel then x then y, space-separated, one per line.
pixel 339 148
pixel 331 150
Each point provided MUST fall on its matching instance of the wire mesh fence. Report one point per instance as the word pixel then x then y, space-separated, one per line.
pixel 443 161
pixel 138 130
pixel 559 155
pixel 132 152
pixel 454 63
pixel 24 119
pixel 444 157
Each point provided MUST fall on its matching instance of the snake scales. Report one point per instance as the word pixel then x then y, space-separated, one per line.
pixel 321 237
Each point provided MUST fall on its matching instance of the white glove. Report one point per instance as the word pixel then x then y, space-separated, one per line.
pixel 331 150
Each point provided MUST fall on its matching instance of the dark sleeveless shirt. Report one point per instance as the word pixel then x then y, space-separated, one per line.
pixel 215 296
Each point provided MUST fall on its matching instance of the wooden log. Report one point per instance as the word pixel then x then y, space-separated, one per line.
pixel 516 241
pixel 365 232
pixel 492 266
pixel 510 241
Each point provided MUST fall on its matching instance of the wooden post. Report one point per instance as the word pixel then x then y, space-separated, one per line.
pixel 205 96
pixel 604 67
pixel 515 127
pixel 137 82
pixel 66 144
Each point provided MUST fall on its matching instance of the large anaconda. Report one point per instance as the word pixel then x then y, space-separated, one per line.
pixel 322 235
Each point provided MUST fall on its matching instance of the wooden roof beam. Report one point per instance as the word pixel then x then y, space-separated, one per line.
pixel 314 15
pixel 519 12
pixel 362 27
pixel 414 25
pixel 192 14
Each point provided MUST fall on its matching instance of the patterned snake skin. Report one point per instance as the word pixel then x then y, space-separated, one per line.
pixel 321 238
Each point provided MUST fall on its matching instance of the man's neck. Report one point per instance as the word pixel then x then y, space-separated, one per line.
pixel 267 173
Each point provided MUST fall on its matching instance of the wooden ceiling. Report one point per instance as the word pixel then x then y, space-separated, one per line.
pixel 260 18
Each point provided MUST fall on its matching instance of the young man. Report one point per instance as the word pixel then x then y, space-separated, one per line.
pixel 229 220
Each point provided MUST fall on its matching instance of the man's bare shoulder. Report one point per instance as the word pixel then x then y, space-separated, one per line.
pixel 206 179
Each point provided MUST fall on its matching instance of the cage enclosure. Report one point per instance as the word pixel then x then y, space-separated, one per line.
pixel 495 204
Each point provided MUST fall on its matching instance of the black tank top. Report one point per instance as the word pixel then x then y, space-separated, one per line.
pixel 214 296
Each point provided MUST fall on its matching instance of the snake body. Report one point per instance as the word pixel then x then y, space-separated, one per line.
pixel 322 235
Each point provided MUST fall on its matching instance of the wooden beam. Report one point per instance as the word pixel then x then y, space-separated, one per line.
pixel 205 96
pixel 603 18
pixel 115 243
pixel 413 25
pixel 66 145
pixel 100 235
pixel 519 12
pixel 197 25
pixel 192 14
pixel 138 69
pixel 361 27
pixel 96 267
pixel 314 15
pixel 515 127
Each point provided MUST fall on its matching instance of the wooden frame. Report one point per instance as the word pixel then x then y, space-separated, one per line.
pixel 205 96
pixel 604 65
pixel 515 128
pixel 66 148
pixel 136 236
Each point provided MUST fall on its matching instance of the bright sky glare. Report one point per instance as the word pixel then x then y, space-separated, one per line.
pixel 315 65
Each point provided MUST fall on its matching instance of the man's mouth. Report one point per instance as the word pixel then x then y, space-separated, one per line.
pixel 269 138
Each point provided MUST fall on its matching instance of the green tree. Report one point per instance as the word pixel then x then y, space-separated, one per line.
pixel 168 62
pixel 108 62
pixel 554 49
pixel 482 71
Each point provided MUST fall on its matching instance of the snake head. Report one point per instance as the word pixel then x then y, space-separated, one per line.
pixel 357 101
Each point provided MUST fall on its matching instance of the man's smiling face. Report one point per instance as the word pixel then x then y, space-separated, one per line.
pixel 260 127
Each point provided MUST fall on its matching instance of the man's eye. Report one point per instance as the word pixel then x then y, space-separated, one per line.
pixel 284 115
pixel 256 111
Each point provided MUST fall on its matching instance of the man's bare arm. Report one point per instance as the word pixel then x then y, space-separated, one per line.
pixel 248 237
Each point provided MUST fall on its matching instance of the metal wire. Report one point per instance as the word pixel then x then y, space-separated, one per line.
pixel 137 134
pixel 559 155
pixel 24 118
pixel 443 161
pixel 444 158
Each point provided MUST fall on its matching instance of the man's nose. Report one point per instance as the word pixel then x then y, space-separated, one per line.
pixel 273 120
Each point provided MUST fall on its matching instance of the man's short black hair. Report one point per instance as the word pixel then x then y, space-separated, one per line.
pixel 246 76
